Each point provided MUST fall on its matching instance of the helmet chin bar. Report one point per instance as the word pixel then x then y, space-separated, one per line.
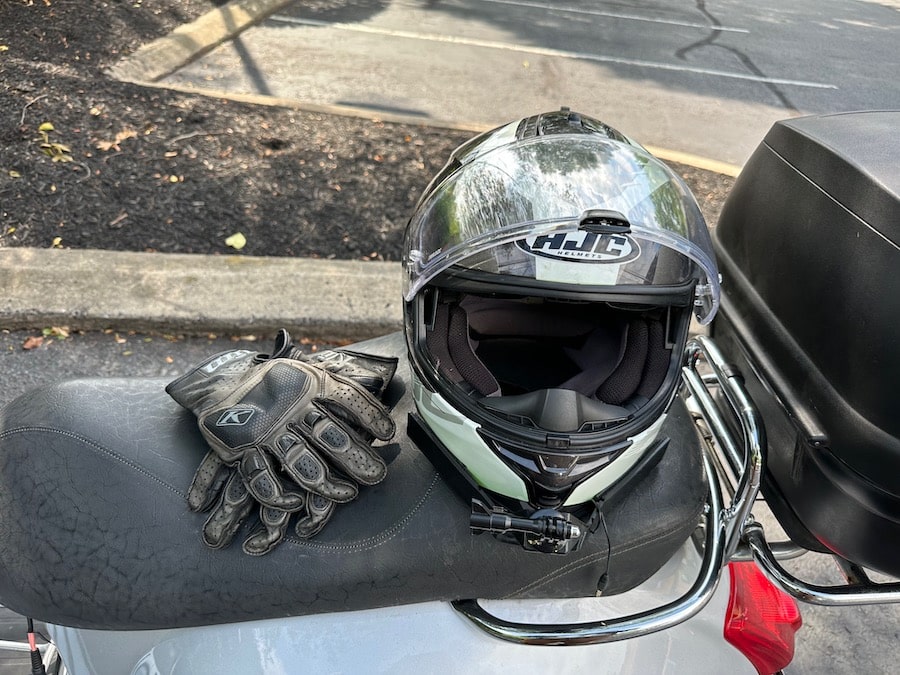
pixel 552 476
pixel 538 498
pixel 558 530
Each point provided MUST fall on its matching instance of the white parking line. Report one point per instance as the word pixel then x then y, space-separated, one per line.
pixel 543 51
pixel 614 15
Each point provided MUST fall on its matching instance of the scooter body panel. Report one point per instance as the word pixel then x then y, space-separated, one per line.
pixel 423 637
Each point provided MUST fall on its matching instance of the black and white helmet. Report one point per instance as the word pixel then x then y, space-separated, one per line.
pixel 551 270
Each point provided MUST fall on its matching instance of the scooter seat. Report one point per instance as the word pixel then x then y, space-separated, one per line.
pixel 95 531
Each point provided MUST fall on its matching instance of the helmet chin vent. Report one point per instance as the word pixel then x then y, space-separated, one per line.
pixel 559 410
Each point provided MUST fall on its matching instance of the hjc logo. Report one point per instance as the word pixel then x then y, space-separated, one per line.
pixel 582 246
pixel 235 417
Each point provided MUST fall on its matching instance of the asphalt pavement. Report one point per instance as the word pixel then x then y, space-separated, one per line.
pixel 703 78
pixel 133 314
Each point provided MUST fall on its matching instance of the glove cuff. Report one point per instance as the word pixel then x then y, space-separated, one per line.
pixel 194 389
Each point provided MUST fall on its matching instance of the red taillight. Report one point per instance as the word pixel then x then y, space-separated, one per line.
pixel 761 619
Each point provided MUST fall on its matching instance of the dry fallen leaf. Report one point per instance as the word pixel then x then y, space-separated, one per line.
pixel 33 342
pixel 123 135
pixel 57 332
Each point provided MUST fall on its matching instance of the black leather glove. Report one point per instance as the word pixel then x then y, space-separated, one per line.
pixel 220 487
pixel 283 425
pixel 371 371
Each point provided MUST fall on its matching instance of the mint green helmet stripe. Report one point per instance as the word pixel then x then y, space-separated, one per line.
pixel 460 436
pixel 616 469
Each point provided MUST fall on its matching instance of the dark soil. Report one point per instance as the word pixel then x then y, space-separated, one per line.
pixel 132 168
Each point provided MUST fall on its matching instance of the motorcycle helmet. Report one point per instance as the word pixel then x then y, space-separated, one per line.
pixel 551 270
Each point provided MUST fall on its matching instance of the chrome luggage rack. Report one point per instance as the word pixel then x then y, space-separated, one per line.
pixel 733 462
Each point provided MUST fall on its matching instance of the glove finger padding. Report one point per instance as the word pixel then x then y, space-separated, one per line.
pixel 263 482
pixel 346 450
pixel 355 405
pixel 274 527
pixel 318 512
pixel 208 482
pixel 308 470
pixel 274 524
pixel 218 483
pixel 234 505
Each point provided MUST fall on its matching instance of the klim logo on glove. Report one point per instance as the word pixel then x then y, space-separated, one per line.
pixel 235 417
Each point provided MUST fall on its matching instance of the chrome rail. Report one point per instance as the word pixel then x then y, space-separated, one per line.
pixel 746 463
pixel 627 627
pixel 20 646
pixel 747 539
pixel 860 591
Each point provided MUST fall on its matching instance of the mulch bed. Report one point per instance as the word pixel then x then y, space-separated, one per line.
pixel 90 162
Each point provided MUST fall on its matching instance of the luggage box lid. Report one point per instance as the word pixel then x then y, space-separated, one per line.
pixel 861 172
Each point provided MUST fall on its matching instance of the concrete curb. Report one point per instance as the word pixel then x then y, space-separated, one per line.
pixel 185 294
pixel 190 41
pixel 326 300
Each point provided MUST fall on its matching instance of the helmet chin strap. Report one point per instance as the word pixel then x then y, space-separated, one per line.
pixel 559 410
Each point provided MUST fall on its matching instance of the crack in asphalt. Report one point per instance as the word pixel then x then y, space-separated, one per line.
pixel 710 41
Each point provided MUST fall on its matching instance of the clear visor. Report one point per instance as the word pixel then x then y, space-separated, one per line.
pixel 517 210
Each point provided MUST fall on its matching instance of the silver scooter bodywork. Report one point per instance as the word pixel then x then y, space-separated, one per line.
pixel 428 637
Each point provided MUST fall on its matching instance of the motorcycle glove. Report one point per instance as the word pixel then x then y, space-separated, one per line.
pixel 218 486
pixel 371 371
pixel 254 409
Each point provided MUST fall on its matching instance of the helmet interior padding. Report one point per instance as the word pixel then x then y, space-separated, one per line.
pixel 453 354
pixel 513 346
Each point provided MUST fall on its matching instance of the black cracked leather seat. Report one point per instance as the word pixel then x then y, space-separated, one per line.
pixel 95 531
